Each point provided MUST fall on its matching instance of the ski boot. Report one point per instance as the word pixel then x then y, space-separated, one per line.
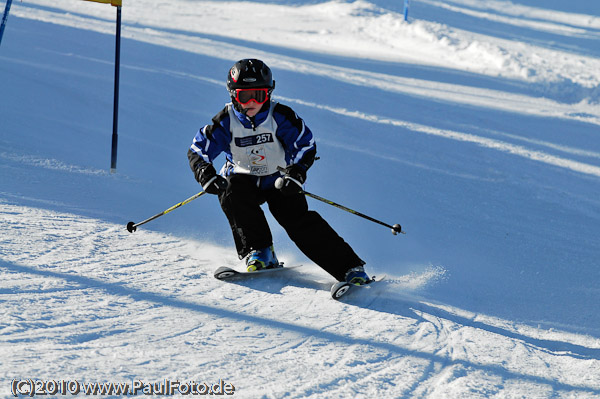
pixel 262 259
pixel 357 276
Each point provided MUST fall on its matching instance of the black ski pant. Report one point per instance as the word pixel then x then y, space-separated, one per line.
pixel 242 202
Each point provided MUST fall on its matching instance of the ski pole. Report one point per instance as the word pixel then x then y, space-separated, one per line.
pixel 395 228
pixel 131 226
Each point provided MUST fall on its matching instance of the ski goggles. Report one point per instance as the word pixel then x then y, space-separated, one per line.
pixel 259 96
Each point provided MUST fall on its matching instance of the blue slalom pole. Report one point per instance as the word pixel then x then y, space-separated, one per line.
pixel 406 10
pixel 115 136
pixel 4 18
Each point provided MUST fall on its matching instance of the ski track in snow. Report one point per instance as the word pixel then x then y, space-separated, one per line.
pixel 557 22
pixel 570 92
pixel 489 143
pixel 375 32
pixel 471 138
pixel 79 291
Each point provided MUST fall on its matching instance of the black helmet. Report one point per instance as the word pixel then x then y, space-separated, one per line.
pixel 249 74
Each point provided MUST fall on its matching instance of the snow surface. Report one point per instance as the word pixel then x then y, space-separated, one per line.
pixel 475 125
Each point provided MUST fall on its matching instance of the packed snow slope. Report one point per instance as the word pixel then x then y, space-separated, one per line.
pixel 475 125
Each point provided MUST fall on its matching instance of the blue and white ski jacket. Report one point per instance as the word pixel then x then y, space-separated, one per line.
pixel 256 146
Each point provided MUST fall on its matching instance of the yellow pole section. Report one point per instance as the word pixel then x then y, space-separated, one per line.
pixel 116 3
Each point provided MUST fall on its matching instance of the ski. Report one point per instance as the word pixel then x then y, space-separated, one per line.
pixel 338 290
pixel 225 272
pixel 341 288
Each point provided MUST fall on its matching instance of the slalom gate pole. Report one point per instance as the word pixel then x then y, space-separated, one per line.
pixel 131 226
pixel 4 18
pixel 395 228
pixel 115 135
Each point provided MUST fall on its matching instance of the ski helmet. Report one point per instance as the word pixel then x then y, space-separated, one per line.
pixel 249 74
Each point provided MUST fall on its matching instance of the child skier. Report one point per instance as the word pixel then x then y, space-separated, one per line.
pixel 260 137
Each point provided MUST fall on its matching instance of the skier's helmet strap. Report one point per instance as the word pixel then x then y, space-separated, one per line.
pixel 249 73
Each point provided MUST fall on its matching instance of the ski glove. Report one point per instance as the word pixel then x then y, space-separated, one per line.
pixel 211 182
pixel 291 182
